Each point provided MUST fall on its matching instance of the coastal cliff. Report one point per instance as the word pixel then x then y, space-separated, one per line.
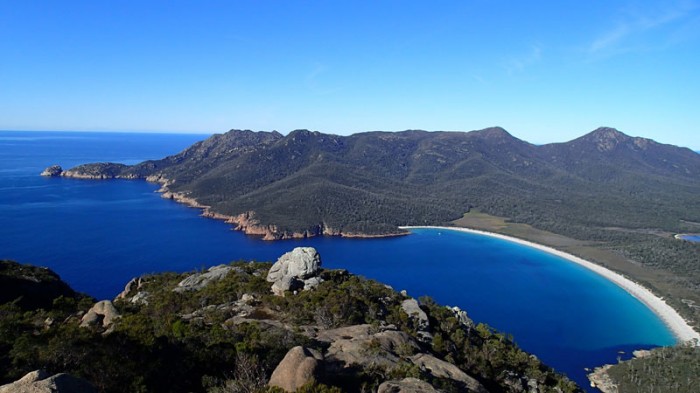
pixel 292 325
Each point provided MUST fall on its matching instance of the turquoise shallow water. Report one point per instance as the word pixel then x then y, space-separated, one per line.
pixel 99 234
pixel 691 238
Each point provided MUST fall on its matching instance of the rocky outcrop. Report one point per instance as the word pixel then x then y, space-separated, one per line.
pixel 240 309
pixel 198 281
pixel 52 171
pixel 299 367
pixel 412 308
pixel 601 380
pixel 102 312
pixel 40 381
pixel 364 346
pixel 360 345
pixel 442 369
pixel 295 270
pixel 419 318
pixel 461 316
pixel 406 385
pixel 134 285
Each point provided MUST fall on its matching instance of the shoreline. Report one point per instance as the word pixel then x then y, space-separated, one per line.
pixel 668 315
pixel 249 225
pixel 684 237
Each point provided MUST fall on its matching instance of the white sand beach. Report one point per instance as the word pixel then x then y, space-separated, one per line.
pixel 680 328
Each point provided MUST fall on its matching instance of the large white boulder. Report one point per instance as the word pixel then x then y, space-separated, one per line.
pixel 297 269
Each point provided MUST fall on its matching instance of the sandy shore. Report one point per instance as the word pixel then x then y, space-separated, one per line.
pixel 668 315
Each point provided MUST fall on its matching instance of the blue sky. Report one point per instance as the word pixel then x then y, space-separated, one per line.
pixel 547 71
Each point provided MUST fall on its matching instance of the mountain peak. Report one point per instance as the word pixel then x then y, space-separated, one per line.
pixel 608 133
pixel 606 138
pixel 494 133
pixel 302 134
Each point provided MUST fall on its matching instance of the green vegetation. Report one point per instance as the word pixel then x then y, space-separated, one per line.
pixel 207 340
pixel 374 182
pixel 31 287
pixel 671 369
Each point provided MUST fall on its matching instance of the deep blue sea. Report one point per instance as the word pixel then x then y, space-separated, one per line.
pixel 97 234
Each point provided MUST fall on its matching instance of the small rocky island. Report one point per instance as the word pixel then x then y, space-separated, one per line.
pixel 97 171
pixel 52 171
pixel 290 326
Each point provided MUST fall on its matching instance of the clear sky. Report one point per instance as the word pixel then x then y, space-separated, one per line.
pixel 547 71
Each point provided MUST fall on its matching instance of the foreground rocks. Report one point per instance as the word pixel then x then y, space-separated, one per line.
pixel 299 367
pixel 103 313
pixel 363 345
pixel 40 381
pixel 406 385
pixel 442 369
pixel 198 281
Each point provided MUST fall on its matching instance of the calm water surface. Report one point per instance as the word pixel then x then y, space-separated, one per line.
pixel 99 234
pixel 691 238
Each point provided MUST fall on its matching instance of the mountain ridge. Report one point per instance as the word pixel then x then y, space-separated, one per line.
pixel 299 184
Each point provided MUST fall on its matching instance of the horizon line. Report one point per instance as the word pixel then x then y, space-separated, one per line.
pixel 190 132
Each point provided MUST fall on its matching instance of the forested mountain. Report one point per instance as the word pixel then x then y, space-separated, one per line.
pixel 308 183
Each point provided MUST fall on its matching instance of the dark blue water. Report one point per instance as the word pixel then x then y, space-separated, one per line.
pixel 99 234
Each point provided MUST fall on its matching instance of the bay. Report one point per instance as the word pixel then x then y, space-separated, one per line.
pixel 691 238
pixel 99 234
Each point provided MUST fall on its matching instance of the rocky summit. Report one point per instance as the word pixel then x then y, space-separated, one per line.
pixel 40 381
pixel 238 327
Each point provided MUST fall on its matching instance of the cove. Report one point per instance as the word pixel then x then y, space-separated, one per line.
pixel 690 238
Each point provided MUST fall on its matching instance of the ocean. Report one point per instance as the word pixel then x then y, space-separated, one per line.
pixel 98 234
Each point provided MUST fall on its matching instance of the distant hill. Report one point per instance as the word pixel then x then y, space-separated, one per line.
pixel 310 183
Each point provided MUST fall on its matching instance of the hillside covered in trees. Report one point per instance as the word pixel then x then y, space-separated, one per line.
pixel 664 370
pixel 309 183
